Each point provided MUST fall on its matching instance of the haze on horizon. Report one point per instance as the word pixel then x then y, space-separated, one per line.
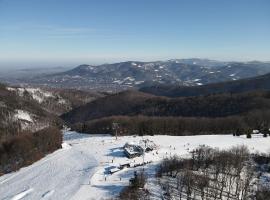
pixel 66 32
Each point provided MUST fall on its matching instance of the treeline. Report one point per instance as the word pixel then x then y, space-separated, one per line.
pixel 143 125
pixel 27 147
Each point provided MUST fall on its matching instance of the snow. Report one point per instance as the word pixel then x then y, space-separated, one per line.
pixel 23 115
pixel 255 131
pixel 129 79
pixel 37 94
pixel 22 194
pixel 118 81
pixel 77 76
pixel 65 145
pixel 78 170
pixel 138 82
pixel 11 89
pixel 232 74
pixel 62 101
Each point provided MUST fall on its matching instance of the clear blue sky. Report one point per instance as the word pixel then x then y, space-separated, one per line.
pixel 67 32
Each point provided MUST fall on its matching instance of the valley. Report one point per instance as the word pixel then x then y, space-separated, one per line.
pixel 121 76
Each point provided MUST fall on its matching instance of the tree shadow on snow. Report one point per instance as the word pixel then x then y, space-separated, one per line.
pixel 110 189
pixel 116 152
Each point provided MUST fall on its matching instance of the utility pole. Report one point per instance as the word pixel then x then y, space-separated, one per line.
pixel 144 141
pixel 115 127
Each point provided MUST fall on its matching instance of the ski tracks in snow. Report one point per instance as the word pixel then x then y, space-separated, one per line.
pixel 22 194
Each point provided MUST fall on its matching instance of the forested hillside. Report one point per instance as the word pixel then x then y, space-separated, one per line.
pixel 29 122
pixel 133 103
pixel 19 114
pixel 237 86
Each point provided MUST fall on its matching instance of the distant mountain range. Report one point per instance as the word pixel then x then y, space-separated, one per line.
pixel 211 100
pixel 135 74
pixel 244 85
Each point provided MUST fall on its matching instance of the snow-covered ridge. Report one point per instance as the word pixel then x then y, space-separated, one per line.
pixel 37 94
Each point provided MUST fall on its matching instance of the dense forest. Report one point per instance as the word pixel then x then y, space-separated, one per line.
pixel 144 125
pixel 140 113
pixel 132 103
pixel 28 147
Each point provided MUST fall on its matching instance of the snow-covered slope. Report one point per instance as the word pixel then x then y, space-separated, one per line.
pixel 19 110
pixel 78 170
pixel 37 94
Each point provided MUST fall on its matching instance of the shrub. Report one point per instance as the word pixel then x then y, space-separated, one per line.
pixel 249 135
pixel 135 190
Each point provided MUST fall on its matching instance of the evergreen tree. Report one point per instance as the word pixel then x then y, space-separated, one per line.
pixel 237 132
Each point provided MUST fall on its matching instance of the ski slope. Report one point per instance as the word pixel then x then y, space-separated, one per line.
pixel 78 170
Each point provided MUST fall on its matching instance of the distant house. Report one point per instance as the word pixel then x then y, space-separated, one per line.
pixel 132 150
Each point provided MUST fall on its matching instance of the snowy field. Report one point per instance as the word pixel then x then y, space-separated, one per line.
pixel 79 170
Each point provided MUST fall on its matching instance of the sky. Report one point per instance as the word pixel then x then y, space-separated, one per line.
pixel 70 32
